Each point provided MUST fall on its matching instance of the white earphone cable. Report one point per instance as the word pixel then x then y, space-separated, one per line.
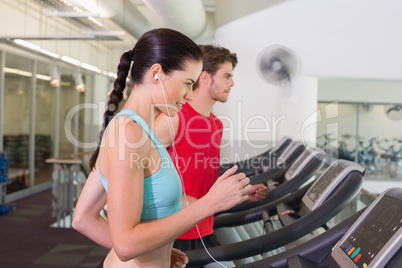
pixel 171 129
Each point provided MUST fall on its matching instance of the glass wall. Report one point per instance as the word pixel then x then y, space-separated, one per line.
pixel 17 105
pixel 68 95
pixel 44 125
pixel 369 134
pixel 50 107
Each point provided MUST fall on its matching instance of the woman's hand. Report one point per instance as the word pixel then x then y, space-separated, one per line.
pixel 178 259
pixel 229 190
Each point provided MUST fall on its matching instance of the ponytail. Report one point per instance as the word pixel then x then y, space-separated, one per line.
pixel 114 99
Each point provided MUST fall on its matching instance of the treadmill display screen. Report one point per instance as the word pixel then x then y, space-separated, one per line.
pixel 370 236
pixel 296 165
pixel 323 182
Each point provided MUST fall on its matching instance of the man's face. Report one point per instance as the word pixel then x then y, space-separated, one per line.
pixel 221 83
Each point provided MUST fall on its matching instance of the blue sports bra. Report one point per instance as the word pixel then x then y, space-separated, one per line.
pixel 163 190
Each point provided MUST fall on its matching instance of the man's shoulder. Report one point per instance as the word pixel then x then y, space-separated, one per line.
pixel 216 118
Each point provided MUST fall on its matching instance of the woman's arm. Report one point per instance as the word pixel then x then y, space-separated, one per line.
pixel 87 219
pixel 132 238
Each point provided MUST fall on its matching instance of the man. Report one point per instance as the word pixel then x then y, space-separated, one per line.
pixel 197 135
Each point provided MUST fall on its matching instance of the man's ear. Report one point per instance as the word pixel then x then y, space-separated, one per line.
pixel 204 77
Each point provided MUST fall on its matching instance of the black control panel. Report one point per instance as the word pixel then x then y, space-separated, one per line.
pixel 328 181
pixel 302 161
pixel 375 236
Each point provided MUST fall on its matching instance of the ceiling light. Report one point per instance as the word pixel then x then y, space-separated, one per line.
pixel 21 91
pixel 95 21
pixel 91 67
pixel 79 83
pixel 90 5
pixel 49 53
pixel 35 47
pixel 105 35
pixel 54 76
pixel 72 14
pixel 43 77
pixel 25 73
pixel 113 75
pixel 17 71
pixel 71 60
pixel 27 44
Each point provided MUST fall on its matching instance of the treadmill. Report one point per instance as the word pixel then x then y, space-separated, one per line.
pixel 253 165
pixel 301 171
pixel 278 165
pixel 300 213
pixel 370 238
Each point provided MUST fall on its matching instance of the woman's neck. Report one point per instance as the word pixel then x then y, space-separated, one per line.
pixel 141 102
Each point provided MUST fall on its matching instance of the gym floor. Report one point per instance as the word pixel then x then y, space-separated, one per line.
pixel 28 241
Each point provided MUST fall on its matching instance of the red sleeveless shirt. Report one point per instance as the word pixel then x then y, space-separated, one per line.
pixel 197 143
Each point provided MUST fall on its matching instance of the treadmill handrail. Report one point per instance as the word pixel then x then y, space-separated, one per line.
pixel 275 173
pixel 254 214
pixel 315 219
pixel 314 249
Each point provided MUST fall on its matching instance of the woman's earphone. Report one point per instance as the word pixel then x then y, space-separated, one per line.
pixel 156 77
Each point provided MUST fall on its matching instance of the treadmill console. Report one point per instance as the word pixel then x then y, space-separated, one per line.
pixel 280 144
pixel 375 237
pixel 328 181
pixel 290 150
pixel 302 161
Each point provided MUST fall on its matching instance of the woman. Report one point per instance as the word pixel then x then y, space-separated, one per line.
pixel 144 190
